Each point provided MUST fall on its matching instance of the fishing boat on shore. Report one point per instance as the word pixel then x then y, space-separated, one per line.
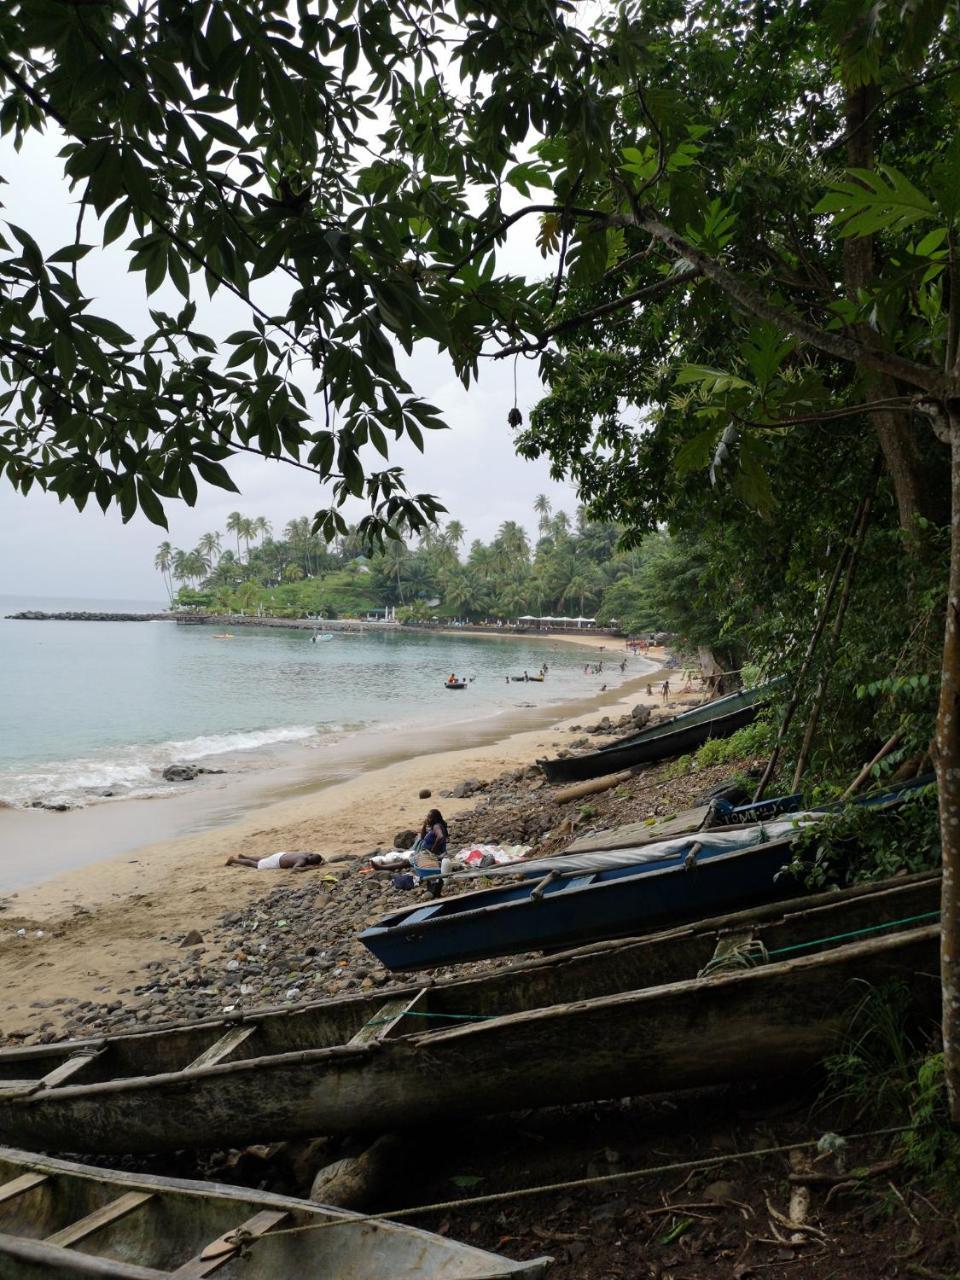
pixel 574 898
pixel 673 737
pixel 59 1219
pixel 606 1021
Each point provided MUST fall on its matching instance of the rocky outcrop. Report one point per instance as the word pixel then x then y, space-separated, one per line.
pixel 35 615
pixel 186 772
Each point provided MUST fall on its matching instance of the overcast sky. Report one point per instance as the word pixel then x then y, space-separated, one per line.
pixel 49 549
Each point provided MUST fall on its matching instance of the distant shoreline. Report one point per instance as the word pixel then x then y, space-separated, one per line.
pixel 576 635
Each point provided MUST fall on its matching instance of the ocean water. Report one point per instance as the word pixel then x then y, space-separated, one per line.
pixel 92 712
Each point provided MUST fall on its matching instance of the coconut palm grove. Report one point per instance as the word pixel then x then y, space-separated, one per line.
pixel 566 568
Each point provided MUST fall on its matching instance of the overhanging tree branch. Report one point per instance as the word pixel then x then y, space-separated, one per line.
pixel 585 317
pixel 748 299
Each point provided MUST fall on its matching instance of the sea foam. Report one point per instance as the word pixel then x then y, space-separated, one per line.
pixel 137 770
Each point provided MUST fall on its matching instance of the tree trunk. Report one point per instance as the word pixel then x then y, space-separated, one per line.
pixel 916 472
pixel 947 758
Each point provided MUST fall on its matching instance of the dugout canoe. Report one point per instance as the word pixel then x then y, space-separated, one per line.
pixel 621 1018
pixel 673 737
pixel 59 1219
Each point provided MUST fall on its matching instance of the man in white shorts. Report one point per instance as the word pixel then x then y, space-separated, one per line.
pixel 277 861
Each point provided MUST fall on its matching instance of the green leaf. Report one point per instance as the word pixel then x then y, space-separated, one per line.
pixel 71 253
pixel 711 381
pixel 213 473
pixel 150 505
pixel 696 453
pixel 874 200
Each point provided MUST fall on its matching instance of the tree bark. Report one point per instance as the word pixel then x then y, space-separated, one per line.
pixel 909 453
pixel 947 760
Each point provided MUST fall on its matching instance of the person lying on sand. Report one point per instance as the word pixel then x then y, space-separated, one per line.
pixel 277 861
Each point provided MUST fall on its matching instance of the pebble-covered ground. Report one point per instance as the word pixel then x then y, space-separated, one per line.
pixel 298 942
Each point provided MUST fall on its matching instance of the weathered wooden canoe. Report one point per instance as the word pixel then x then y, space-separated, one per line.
pixel 59 1219
pixel 673 737
pixel 621 1018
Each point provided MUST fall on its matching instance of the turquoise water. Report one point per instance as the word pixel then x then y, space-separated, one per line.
pixel 95 708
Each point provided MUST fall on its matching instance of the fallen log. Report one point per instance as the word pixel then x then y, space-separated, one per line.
pixel 593 787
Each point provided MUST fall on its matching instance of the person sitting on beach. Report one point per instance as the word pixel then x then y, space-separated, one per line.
pixel 277 861
pixel 433 836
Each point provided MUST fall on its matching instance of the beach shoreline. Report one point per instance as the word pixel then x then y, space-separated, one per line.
pixel 100 924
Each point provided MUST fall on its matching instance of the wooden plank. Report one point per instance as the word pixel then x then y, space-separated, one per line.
pixel 14 1088
pixel 640 833
pixel 225 1247
pixel 101 1217
pixel 69 1068
pixel 19 1257
pixel 19 1186
pixel 388 1018
pixel 221 1049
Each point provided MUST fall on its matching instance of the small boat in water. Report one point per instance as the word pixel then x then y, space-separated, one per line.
pixel 454 684
pixel 59 1219
pixel 319 636
pixel 222 635
pixel 673 737
pixel 615 1019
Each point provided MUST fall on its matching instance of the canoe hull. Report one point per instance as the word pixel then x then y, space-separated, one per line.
pixel 781 1018
pixel 647 750
pixel 620 1019
pixel 493 925
pixel 172 1220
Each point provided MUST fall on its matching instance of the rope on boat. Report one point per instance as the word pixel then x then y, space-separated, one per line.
pixel 744 955
pixel 855 933
pixel 607 1179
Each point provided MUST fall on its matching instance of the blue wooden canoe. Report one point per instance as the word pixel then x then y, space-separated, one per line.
pixel 674 737
pixel 568 900
pixel 565 901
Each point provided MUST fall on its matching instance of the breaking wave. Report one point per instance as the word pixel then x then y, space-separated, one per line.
pixel 136 770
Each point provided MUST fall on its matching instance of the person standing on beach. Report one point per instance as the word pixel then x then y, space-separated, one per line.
pixel 665 690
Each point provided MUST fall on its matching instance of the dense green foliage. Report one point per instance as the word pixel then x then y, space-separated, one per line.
pixel 570 571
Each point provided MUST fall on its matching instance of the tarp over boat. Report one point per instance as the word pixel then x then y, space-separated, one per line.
pixel 726 841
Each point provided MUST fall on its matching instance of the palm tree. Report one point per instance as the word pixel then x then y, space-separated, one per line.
pixel 180 566
pixel 542 507
pixel 512 546
pixel 199 557
pixel 396 558
pixel 209 546
pixel 162 561
pixel 454 533
pixel 234 525
pixel 561 524
pixel 196 565
pixel 262 526
pixel 247 532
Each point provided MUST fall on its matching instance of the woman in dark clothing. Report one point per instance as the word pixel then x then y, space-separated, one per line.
pixel 433 834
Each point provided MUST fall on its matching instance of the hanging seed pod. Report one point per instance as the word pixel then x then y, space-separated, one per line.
pixel 514 417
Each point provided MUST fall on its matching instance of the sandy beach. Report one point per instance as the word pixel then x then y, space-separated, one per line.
pixel 92 930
